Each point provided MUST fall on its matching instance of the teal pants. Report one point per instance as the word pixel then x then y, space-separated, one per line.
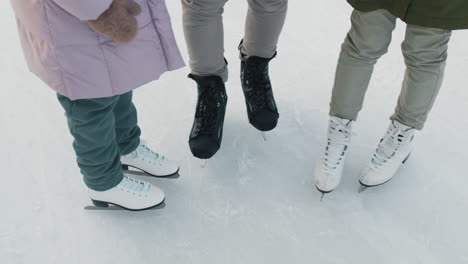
pixel 103 129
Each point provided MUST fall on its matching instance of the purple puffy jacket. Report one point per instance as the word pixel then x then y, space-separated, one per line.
pixel 64 52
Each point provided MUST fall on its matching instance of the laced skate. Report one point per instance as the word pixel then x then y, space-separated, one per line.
pixel 394 149
pixel 256 85
pixel 150 162
pixel 329 170
pixel 129 194
pixel 207 131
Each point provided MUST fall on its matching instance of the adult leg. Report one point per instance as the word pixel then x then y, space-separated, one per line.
pixel 425 53
pixel 203 27
pixel 204 34
pixel 366 42
pixel 265 20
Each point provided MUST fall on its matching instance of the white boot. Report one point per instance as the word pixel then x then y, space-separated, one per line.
pixel 394 149
pixel 329 170
pixel 130 194
pixel 150 162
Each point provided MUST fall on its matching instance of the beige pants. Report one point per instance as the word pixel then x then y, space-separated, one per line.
pixel 203 27
pixel 425 53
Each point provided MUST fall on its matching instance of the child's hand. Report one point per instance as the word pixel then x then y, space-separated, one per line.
pixel 118 22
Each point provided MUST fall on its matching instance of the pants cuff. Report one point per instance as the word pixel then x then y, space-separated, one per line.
pixel 111 183
pixel 418 125
pixel 347 116
pixel 130 147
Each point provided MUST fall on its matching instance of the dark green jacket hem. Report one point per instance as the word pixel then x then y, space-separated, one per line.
pixel 365 6
pixel 415 13
pixel 455 24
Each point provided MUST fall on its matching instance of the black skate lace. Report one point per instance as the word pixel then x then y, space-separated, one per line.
pixel 389 146
pixel 258 95
pixel 207 111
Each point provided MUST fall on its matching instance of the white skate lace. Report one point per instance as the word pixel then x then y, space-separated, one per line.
pixel 148 155
pixel 339 136
pixel 391 143
pixel 133 185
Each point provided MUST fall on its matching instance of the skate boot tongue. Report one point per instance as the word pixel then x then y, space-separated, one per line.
pixel 339 136
pixel 402 127
pixel 343 125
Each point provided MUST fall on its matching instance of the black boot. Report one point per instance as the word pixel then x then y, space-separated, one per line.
pixel 256 84
pixel 207 131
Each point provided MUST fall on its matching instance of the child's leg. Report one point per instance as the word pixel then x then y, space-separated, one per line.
pixel 366 42
pixel 265 20
pixel 126 124
pixel 425 52
pixel 204 34
pixel 92 124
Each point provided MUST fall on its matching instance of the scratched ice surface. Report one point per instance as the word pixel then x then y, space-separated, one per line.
pixel 255 201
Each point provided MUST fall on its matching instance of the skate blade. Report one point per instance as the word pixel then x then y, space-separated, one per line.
pixel 362 189
pixel 406 159
pixel 117 208
pixel 203 163
pixel 321 197
pixel 263 134
pixel 139 172
pixel 323 193
pixel 110 208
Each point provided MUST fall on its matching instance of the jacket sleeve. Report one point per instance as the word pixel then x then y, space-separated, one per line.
pixel 84 9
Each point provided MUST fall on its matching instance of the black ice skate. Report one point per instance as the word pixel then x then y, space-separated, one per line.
pixel 259 99
pixel 207 131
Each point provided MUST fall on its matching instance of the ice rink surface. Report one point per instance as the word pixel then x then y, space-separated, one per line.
pixel 255 202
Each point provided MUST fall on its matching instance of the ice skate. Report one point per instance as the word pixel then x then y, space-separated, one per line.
pixel 150 162
pixel 207 131
pixel 261 106
pixel 129 194
pixel 393 151
pixel 329 170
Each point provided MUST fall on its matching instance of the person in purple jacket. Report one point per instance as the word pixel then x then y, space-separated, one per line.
pixel 93 54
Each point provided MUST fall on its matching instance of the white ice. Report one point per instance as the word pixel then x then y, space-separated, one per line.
pixel 255 202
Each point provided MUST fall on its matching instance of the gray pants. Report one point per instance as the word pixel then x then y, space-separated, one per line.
pixel 425 53
pixel 203 27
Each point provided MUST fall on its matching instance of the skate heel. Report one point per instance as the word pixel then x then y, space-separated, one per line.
pixel 99 203
pixel 125 167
